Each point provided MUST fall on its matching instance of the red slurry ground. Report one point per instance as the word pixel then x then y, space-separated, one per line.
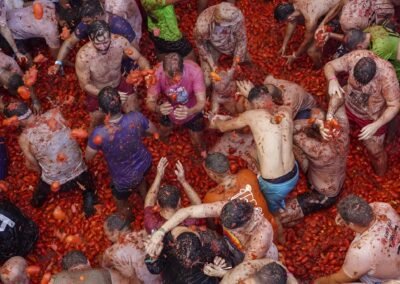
pixel 315 247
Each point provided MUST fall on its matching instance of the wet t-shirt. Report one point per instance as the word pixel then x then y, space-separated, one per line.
pixel 376 252
pixel 117 24
pixel 182 92
pixel 23 24
pixel 294 96
pixel 368 101
pixel 121 143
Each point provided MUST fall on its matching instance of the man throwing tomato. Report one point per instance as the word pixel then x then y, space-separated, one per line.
pixel 372 99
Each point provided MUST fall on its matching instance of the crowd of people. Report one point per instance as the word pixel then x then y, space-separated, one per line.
pixel 231 234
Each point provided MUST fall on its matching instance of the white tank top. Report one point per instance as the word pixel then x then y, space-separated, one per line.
pixel 57 153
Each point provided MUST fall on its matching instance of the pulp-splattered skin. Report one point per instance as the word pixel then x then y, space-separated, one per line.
pixel 255 236
pixel 13 271
pixel 246 270
pixel 326 160
pixel 127 257
pixel 273 140
pixel 376 252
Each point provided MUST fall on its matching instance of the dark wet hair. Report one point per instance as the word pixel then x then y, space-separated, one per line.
pixel 14 82
pixel 98 28
pixel 109 101
pixel 71 15
pixel 217 162
pixel 90 9
pixel 168 196
pixel 257 92
pixel 116 222
pixel 236 213
pixel 365 70
pixel 16 108
pixel 354 209
pixel 272 273
pixel 167 67
pixel 352 38
pixel 73 258
pixel 283 11
pixel 188 249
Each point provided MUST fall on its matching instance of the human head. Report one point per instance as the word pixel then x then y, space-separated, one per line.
pixel 114 226
pixel 216 166
pixel 283 11
pixel 109 101
pixel 90 11
pixel 14 82
pixel 68 17
pixel 226 14
pixel 364 70
pixel 13 271
pixel 356 39
pixel 188 249
pixel 100 36
pixel 74 259
pixel 355 211
pixel 20 110
pixel 169 196
pixel 260 98
pixel 173 66
pixel 270 273
pixel 236 213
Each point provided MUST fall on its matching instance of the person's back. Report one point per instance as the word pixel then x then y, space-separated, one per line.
pixel 88 276
pixel 314 9
pixel 122 145
pixel 273 137
pixel 50 139
pixel 18 234
pixel 376 251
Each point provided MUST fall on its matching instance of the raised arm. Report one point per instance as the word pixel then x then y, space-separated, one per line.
pixel 190 192
pixel 151 197
pixel 211 210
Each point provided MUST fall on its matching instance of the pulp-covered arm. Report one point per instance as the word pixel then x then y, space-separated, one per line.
pixel 151 197
pixel 223 123
pixel 190 192
pixel 30 160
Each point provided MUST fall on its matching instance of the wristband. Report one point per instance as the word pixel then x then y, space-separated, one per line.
pixel 333 78
pixel 58 62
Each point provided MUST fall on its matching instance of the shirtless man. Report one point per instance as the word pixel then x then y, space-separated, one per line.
pixel 13 271
pixel 283 93
pixel 258 271
pixel 77 269
pixel 98 64
pixel 372 99
pixel 50 150
pixel 220 29
pixel 374 254
pixel 323 158
pixel 128 10
pixel 91 11
pixel 248 234
pixel 309 12
pixel 126 255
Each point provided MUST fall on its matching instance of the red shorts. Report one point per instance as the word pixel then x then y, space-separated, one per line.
pixel 364 122
pixel 92 103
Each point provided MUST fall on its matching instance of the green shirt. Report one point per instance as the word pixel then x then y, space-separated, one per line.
pixel 384 43
pixel 162 17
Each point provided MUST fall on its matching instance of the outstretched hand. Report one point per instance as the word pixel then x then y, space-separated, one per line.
pixel 162 165
pixel 244 87
pixel 179 171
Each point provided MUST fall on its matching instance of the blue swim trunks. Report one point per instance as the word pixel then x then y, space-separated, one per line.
pixel 276 192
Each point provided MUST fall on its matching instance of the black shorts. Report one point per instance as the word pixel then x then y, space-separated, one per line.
pixel 196 124
pixel 312 201
pixel 182 46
